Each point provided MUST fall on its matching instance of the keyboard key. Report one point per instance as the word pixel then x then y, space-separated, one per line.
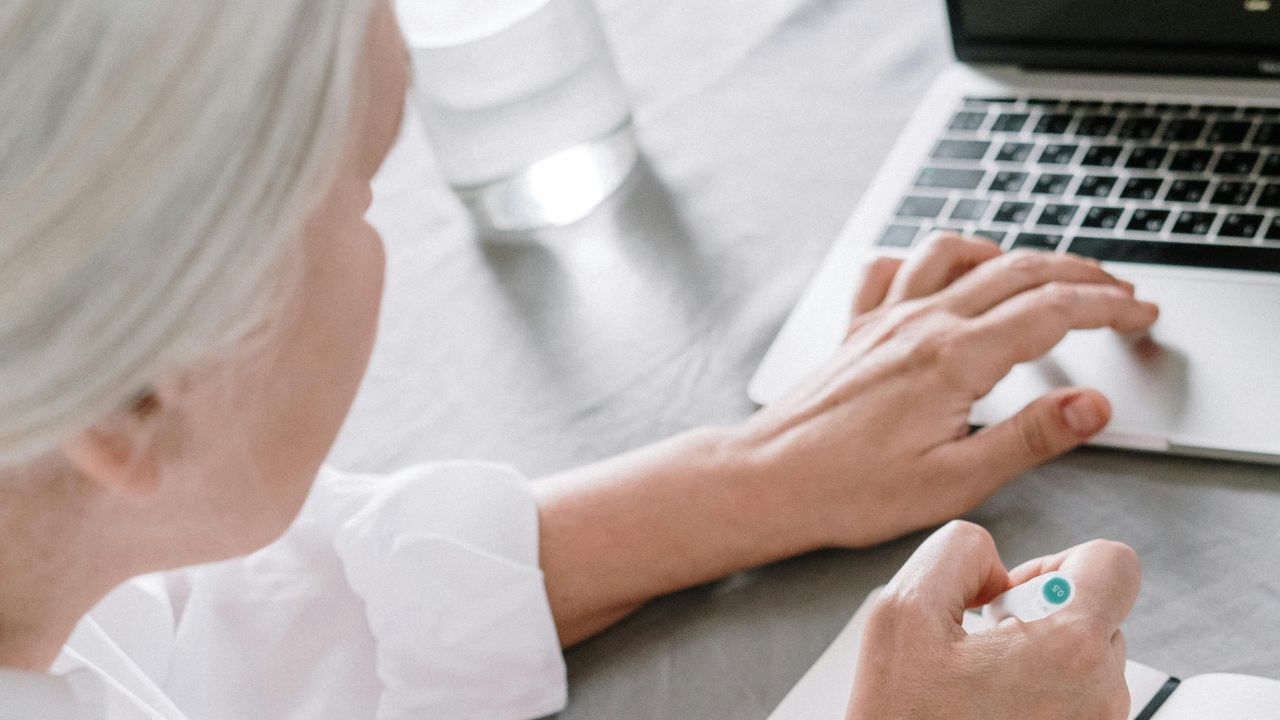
pixel 1037 241
pixel 1096 186
pixel 1146 158
pixel 1141 188
pixel 1058 154
pixel 1192 161
pixel 1270 197
pixel 1007 181
pixel 1268 135
pixel 1129 106
pixel 1187 191
pixel 969 209
pixel 1052 124
pixel 898 236
pixel 1101 155
pixel 1233 193
pixel 1236 163
pixel 1010 122
pixel 961 150
pixel 1103 217
pixel 1138 128
pixel 997 236
pixel 1151 221
pixel 1015 152
pixel 1229 132
pixel 1270 166
pixel 1194 223
pixel 1154 252
pixel 1051 184
pixel 1183 130
pixel 921 207
pixel 1273 230
pixel 1057 214
pixel 967 121
pixel 950 179
pixel 1241 225
pixel 1013 212
pixel 1217 110
pixel 1096 125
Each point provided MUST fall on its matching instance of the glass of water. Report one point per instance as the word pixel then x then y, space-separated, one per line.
pixel 523 105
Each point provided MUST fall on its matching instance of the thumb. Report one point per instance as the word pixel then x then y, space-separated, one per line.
pixel 1049 426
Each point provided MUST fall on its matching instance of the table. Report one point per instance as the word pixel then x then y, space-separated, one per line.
pixel 761 124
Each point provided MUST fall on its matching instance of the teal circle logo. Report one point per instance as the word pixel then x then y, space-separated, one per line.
pixel 1057 591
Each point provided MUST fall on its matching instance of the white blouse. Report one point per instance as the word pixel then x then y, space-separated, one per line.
pixel 415 595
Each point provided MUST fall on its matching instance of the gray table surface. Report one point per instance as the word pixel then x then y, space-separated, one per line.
pixel 761 124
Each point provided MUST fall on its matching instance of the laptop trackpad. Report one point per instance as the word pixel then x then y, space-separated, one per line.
pixel 1207 377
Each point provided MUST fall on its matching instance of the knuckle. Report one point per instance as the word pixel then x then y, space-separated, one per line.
pixel 946 241
pixel 966 531
pixel 926 346
pixel 967 539
pixel 1059 298
pixel 881 265
pixel 1123 557
pixel 1029 263
pixel 894 608
pixel 1037 440
pixel 952 346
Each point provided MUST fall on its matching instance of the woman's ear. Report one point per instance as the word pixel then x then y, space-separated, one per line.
pixel 118 454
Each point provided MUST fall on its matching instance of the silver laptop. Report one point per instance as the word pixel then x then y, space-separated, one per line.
pixel 1143 133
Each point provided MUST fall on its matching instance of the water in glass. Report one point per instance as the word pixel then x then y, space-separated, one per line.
pixel 523 105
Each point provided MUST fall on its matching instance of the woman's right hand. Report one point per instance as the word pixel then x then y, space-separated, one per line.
pixel 918 662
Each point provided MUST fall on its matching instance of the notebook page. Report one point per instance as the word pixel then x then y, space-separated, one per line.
pixel 823 692
pixel 1238 697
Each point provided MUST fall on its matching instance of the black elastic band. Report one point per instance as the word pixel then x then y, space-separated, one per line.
pixel 1149 711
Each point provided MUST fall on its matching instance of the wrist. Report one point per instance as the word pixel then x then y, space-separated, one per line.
pixel 774 493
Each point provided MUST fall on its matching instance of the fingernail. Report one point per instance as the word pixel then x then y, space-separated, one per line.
pixel 1083 416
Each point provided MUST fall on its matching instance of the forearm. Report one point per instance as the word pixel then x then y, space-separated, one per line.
pixel 685 511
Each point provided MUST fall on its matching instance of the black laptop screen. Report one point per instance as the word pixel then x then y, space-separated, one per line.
pixel 1233 36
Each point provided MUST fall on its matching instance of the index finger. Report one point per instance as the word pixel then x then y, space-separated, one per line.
pixel 957 567
pixel 1030 325
pixel 1107 576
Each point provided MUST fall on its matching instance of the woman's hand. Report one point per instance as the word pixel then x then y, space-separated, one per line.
pixel 877 443
pixel 873 446
pixel 917 662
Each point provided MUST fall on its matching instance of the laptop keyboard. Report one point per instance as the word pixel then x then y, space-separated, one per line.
pixel 1156 183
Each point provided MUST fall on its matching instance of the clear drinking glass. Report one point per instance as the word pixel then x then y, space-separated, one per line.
pixel 523 105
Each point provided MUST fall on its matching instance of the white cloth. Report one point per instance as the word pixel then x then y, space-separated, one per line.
pixel 415 595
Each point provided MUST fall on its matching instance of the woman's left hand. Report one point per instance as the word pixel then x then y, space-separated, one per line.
pixel 877 443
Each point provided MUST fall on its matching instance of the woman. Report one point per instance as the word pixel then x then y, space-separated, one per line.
pixel 188 296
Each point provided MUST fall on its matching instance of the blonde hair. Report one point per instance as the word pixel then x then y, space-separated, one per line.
pixel 157 159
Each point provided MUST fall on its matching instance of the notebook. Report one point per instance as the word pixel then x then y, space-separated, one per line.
pixel 823 692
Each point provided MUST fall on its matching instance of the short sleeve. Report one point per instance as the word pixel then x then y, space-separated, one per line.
pixel 445 559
